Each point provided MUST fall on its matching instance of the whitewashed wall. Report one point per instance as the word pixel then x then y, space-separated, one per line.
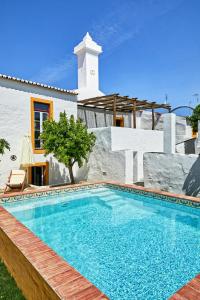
pixel 136 139
pixel 15 122
pixel 176 173
pixel 105 164
pixel 139 141
pixel 118 153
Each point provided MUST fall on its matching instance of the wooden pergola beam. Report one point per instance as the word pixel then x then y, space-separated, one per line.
pixel 130 107
pixel 123 108
pixel 138 108
pixel 100 103
pixel 97 99
pixel 108 103
pixel 122 104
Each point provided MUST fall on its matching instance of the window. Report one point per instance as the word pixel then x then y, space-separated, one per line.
pixel 41 113
pixel 41 110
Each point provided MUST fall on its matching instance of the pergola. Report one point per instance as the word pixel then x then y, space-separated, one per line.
pixel 117 103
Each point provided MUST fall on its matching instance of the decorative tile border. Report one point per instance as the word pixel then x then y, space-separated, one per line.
pixel 66 282
pixel 157 195
pixel 47 192
pixel 160 195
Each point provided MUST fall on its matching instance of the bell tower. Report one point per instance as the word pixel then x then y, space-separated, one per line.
pixel 87 52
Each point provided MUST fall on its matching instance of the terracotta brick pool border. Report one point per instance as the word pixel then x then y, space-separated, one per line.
pixel 42 274
pixel 38 271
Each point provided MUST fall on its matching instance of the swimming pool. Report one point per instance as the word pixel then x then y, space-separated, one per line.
pixel 131 246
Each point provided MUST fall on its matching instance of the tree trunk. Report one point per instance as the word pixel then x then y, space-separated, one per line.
pixel 71 175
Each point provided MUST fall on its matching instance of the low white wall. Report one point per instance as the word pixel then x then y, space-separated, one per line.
pixel 136 139
pixel 94 117
pixel 105 164
pixel 15 122
pixel 139 141
pixel 110 165
pixel 118 154
pixel 176 173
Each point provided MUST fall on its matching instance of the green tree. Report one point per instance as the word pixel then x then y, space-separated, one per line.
pixel 68 140
pixel 4 145
pixel 194 118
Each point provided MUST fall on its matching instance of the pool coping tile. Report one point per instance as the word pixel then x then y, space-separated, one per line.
pixel 190 291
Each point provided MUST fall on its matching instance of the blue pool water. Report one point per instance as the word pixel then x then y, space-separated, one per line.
pixel 130 246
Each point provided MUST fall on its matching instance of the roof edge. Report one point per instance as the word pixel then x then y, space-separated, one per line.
pixel 70 92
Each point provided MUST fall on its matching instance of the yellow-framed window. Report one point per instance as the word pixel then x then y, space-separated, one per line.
pixel 41 110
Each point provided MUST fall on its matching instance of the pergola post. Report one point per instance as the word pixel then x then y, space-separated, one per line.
pixel 95 117
pixel 85 115
pixel 134 114
pixel 153 119
pixel 114 111
pixel 105 118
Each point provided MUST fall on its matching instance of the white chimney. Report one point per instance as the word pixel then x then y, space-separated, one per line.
pixel 88 68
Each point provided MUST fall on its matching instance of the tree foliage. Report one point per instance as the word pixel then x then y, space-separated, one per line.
pixel 194 118
pixel 68 140
pixel 4 145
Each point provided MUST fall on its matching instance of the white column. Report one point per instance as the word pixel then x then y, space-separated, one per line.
pixel 169 127
pixel 198 140
pixel 138 174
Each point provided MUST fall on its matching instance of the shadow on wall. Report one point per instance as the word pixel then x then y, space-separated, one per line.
pixel 56 176
pixel 82 173
pixel 191 185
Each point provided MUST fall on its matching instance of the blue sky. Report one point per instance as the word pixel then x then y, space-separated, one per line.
pixel 150 47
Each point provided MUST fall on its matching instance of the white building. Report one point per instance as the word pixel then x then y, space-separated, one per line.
pixel 24 105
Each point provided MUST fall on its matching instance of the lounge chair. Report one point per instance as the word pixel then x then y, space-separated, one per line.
pixel 16 180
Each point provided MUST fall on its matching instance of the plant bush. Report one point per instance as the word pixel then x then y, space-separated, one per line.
pixel 68 140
